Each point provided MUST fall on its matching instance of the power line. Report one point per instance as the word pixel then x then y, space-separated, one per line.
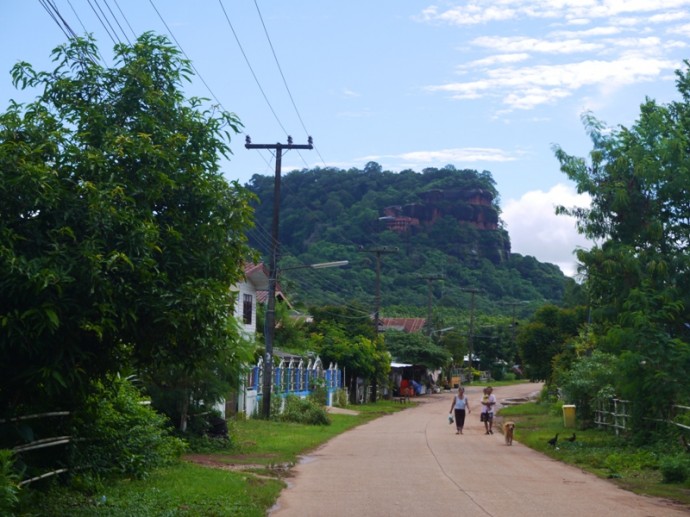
pixel 117 21
pixel 186 56
pixel 54 13
pixel 246 59
pixel 125 18
pixel 282 75
pixel 112 38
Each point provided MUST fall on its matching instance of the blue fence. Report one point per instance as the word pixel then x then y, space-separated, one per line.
pixel 294 377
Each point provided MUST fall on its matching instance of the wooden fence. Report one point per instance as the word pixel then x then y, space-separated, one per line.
pixel 614 414
pixel 14 430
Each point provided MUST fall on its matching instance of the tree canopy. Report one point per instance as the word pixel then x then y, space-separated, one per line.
pixel 638 274
pixel 119 236
pixel 330 214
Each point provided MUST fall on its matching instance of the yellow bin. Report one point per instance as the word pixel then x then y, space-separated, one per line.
pixel 568 415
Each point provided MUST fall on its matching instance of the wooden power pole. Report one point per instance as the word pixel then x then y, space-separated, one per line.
pixel 270 320
pixel 377 251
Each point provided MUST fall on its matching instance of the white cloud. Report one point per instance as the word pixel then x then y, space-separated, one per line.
pixel 527 87
pixel 485 11
pixel 526 44
pixel 495 59
pixel 445 156
pixel 682 30
pixel 536 230
pixel 347 92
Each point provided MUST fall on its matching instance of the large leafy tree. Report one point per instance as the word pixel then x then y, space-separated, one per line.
pixel 545 336
pixel 344 335
pixel 119 236
pixel 416 348
pixel 638 276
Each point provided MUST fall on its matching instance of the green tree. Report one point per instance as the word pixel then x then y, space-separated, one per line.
pixel 416 348
pixel 545 336
pixel 119 236
pixel 638 275
pixel 344 335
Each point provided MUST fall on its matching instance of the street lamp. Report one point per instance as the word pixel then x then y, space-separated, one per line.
pixel 270 327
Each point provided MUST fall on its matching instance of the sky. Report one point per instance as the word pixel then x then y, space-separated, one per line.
pixel 485 84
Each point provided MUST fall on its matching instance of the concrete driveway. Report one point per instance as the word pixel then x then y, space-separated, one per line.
pixel 412 463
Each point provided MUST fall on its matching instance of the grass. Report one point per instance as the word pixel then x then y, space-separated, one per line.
pixel 602 453
pixel 183 489
pixel 246 479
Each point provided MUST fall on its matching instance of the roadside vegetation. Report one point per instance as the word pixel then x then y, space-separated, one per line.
pixel 243 478
pixel 660 468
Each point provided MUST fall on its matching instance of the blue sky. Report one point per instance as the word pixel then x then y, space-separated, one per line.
pixel 484 84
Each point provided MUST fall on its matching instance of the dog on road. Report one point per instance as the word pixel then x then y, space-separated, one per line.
pixel 508 431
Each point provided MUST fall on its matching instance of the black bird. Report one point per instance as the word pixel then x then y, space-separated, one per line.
pixel 572 438
pixel 552 442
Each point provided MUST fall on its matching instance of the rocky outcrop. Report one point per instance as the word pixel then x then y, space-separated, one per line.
pixel 473 206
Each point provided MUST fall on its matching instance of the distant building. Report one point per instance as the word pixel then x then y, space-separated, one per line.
pixel 409 325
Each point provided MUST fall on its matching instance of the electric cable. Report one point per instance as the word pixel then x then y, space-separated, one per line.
pixel 112 38
pixel 117 22
pixel 186 56
pixel 246 59
pixel 287 88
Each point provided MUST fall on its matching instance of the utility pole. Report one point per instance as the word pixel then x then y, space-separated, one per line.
pixel 473 292
pixel 429 279
pixel 513 325
pixel 270 321
pixel 378 251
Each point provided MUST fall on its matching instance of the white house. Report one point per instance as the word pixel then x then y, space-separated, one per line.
pixel 255 279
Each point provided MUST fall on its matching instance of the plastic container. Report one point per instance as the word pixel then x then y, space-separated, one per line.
pixel 569 415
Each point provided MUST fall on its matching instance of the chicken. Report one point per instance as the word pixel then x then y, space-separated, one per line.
pixel 552 442
pixel 572 438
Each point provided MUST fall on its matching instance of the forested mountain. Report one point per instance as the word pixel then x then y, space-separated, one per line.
pixel 436 232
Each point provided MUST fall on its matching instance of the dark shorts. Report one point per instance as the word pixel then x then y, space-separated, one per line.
pixel 486 417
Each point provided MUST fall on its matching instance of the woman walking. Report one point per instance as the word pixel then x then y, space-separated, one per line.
pixel 460 405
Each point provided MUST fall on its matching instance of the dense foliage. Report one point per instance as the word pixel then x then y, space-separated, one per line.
pixel 119 235
pixel 416 348
pixel 331 214
pixel 117 434
pixel 119 239
pixel 638 275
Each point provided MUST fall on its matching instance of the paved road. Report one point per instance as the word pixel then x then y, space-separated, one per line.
pixel 413 464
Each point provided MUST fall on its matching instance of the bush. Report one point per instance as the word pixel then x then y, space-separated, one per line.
pixel 9 489
pixel 589 379
pixel 319 393
pixel 116 433
pixel 304 411
pixel 340 398
pixel 675 470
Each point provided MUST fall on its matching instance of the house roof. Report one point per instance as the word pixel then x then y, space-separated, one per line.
pixel 257 274
pixel 262 296
pixel 405 324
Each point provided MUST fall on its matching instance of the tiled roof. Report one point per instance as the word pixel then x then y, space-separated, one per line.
pixel 405 324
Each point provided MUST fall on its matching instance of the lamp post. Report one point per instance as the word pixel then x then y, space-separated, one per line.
pixel 270 327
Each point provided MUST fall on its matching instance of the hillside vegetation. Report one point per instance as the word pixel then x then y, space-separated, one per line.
pixel 438 230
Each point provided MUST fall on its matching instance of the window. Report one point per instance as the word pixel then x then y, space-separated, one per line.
pixel 247 309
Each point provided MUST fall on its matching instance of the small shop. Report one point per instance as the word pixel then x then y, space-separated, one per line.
pixel 409 380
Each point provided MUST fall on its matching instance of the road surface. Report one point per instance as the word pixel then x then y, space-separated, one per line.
pixel 412 463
